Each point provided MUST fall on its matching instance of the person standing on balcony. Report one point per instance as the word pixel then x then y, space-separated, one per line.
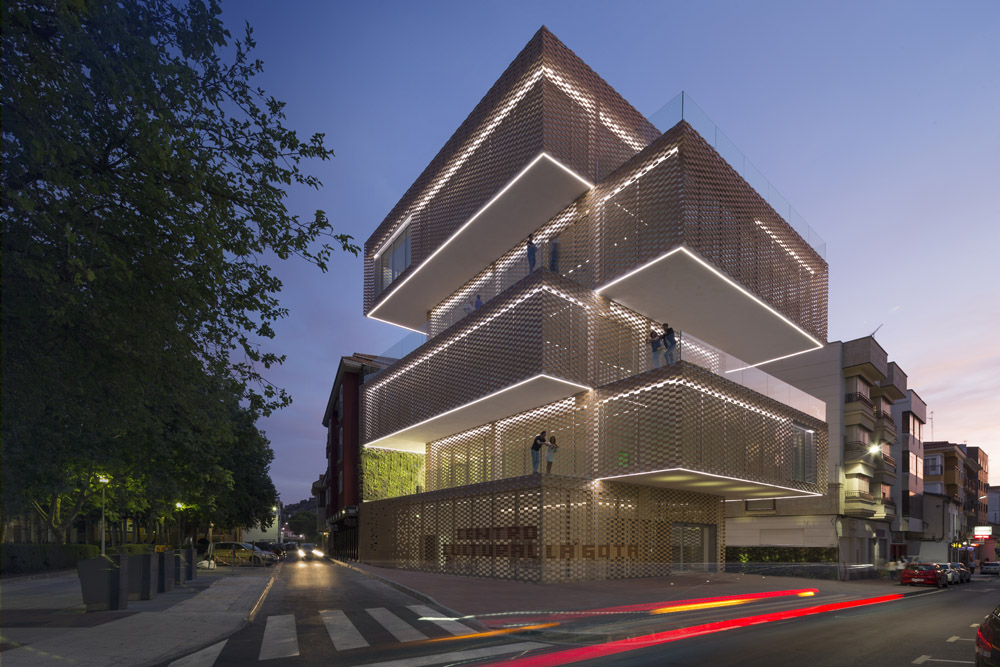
pixel 532 250
pixel 479 302
pixel 669 343
pixel 654 348
pixel 554 254
pixel 550 454
pixel 536 449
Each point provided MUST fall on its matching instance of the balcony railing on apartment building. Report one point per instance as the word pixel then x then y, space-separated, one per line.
pixel 855 397
pixel 859 496
pixel 882 414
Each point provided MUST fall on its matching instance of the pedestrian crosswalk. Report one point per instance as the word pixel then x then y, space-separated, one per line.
pixel 345 630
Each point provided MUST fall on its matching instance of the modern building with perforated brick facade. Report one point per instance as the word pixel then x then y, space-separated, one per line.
pixel 635 223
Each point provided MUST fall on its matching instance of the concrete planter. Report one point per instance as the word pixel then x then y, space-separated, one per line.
pixel 104 582
pixel 165 571
pixel 143 575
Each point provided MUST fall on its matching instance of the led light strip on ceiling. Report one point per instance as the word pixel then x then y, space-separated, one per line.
pixel 709 474
pixel 581 387
pixel 693 255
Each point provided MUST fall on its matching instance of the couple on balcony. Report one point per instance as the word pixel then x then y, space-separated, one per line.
pixel 664 343
pixel 536 453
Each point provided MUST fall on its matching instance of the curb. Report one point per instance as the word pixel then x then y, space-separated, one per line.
pixel 423 597
pixel 248 619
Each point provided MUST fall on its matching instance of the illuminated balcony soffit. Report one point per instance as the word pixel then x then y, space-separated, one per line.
pixel 540 191
pixel 731 488
pixel 531 393
pixel 682 288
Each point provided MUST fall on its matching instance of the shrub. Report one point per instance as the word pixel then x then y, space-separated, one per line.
pixel 27 558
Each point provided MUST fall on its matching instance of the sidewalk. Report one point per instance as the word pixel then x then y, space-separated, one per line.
pixel 491 601
pixel 43 620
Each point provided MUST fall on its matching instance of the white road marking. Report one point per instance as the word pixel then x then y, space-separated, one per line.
pixel 956 638
pixel 926 658
pixel 921 660
pixel 206 657
pixel 342 632
pixel 399 628
pixel 280 639
pixel 455 656
pixel 454 627
pixel 974 625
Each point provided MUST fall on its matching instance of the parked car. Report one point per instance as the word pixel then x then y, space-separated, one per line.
pixel 272 548
pixel 954 576
pixel 988 641
pixel 236 553
pixel 963 570
pixel 990 567
pixel 923 573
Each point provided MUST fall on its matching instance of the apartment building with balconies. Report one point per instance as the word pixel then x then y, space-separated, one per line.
pixel 851 523
pixel 633 224
pixel 910 415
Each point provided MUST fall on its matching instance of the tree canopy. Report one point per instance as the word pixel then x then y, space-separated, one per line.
pixel 144 199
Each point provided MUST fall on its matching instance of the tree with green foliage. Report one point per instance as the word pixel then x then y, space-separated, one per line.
pixel 143 198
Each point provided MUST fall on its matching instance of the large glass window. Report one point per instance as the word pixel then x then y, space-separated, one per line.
pixel 803 454
pixel 393 259
pixel 933 464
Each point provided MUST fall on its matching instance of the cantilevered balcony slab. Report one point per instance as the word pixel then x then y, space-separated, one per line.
pixel 729 488
pixel 686 291
pixel 531 198
pixel 533 392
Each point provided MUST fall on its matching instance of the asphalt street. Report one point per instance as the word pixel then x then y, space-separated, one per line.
pixel 935 628
pixel 320 613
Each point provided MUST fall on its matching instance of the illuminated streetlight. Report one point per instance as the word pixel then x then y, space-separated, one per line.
pixel 104 483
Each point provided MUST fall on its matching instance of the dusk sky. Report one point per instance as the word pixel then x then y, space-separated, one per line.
pixel 878 121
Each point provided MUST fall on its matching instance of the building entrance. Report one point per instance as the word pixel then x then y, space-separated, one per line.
pixel 692 548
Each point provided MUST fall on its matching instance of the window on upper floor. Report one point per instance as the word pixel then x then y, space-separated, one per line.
pixel 340 481
pixel 913 426
pixel 340 444
pixel 916 466
pixel 803 454
pixel 933 464
pixel 393 258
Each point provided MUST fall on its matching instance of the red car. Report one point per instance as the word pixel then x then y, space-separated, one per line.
pixel 924 573
pixel 988 641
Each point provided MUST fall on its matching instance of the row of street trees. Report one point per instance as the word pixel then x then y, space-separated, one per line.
pixel 144 198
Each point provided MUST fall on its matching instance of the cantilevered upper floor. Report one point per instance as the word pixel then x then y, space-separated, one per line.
pixel 544 133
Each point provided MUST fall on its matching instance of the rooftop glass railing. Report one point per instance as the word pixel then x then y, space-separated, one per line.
pixel 682 107
pixel 723 364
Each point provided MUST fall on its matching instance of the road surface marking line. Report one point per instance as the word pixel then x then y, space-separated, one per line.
pixel 952 639
pixel 399 628
pixel 342 632
pixel 454 627
pixel 921 660
pixel 974 625
pixel 455 656
pixel 280 640
pixel 206 657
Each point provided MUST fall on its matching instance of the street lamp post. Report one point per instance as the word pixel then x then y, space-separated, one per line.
pixel 104 483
